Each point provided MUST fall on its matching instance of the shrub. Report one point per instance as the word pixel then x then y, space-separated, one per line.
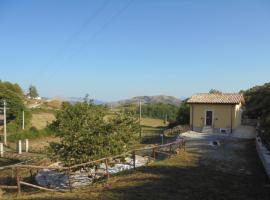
pixel 30 134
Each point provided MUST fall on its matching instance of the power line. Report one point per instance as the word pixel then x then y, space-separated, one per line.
pixel 103 27
pixel 84 26
pixel 75 35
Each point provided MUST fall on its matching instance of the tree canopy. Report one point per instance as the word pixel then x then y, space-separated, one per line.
pixel 258 102
pixel 32 91
pixel 183 115
pixel 87 132
pixel 258 105
pixel 215 91
pixel 160 111
pixel 13 95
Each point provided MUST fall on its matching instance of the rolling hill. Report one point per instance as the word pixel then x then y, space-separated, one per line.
pixel 149 100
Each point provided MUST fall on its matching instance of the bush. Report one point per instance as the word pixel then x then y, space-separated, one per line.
pixel 33 133
pixel 33 129
pixel 183 115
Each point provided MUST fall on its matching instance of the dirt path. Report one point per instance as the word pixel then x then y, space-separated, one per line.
pixel 236 156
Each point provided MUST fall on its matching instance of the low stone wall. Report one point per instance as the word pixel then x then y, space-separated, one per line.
pixel 264 155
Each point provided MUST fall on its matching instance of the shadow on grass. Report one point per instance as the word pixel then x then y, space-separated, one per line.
pixel 168 182
pixel 182 177
pixel 189 183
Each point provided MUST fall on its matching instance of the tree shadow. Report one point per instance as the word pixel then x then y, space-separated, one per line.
pixel 201 182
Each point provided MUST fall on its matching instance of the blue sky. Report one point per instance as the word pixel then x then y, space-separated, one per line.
pixel 115 49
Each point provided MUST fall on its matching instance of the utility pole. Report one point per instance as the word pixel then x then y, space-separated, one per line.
pixel 5 123
pixel 23 120
pixel 140 110
pixel 140 119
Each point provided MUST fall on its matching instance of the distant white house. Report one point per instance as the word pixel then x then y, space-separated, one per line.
pixel 35 98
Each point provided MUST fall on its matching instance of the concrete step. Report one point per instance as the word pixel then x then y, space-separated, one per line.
pixel 207 129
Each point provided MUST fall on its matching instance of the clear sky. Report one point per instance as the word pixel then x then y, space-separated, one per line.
pixel 115 49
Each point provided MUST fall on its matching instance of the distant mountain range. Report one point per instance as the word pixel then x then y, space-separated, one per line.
pixel 135 100
pixel 76 99
pixel 148 100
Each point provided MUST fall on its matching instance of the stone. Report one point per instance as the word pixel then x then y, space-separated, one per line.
pixel 84 176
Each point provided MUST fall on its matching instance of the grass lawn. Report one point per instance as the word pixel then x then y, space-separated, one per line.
pixel 153 122
pixel 151 131
pixel 41 120
pixel 180 177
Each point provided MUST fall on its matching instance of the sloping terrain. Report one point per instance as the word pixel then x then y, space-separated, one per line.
pixel 229 171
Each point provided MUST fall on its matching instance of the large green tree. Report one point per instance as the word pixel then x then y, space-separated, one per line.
pixel 13 95
pixel 258 103
pixel 87 132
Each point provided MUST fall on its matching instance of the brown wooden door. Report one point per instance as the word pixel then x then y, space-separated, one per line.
pixel 209 118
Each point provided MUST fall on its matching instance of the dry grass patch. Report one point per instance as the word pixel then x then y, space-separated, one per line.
pixel 40 144
pixel 41 120
pixel 54 104
pixel 153 122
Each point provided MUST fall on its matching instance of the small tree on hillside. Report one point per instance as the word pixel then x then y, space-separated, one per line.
pixel 32 91
pixel 215 91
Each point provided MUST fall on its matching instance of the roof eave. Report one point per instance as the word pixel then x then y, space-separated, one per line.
pixel 213 103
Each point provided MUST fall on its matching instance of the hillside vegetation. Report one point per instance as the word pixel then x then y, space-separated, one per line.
pixel 149 100
pixel 258 106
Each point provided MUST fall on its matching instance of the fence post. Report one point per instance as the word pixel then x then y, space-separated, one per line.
pixel 107 171
pixel 18 180
pixel 154 153
pixel 1 149
pixel 12 173
pixel 69 181
pixel 134 159
pixel 19 147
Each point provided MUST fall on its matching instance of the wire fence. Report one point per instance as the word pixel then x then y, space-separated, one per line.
pixel 59 178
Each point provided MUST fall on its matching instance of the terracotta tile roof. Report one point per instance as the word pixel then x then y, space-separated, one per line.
pixel 224 98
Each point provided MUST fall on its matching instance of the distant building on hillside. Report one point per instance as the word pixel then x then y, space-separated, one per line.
pixel 35 98
pixel 215 112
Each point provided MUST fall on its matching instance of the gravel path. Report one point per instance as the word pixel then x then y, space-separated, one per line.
pixel 230 155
